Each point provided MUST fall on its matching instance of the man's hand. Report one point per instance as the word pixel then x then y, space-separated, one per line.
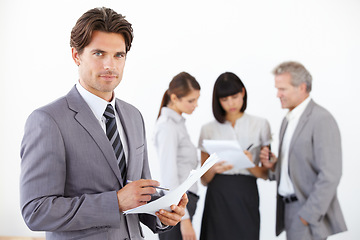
pixel 267 158
pixel 187 230
pixel 136 193
pixel 174 217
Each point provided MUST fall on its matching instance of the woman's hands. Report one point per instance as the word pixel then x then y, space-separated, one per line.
pixel 218 167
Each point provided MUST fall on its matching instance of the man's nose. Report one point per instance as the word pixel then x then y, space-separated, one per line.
pixel 109 63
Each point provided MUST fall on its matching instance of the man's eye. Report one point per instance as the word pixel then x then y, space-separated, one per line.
pixel 98 54
pixel 120 55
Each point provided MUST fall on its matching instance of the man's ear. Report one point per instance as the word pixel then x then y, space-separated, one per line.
pixel 76 56
pixel 302 87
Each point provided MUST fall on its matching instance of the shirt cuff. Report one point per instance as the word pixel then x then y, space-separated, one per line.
pixel 160 225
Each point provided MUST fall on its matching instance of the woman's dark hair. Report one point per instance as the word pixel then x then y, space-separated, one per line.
pixel 226 84
pixel 99 19
pixel 181 85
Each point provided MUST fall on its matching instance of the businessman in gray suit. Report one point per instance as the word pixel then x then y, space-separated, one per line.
pixel 309 163
pixel 73 173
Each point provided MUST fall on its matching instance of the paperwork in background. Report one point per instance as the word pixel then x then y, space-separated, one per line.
pixel 174 196
pixel 229 151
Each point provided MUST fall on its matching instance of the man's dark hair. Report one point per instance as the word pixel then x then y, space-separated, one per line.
pixel 99 19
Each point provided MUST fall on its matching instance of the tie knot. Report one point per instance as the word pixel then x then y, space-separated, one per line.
pixel 109 112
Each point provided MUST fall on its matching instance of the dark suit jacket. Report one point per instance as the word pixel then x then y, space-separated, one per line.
pixel 315 168
pixel 69 174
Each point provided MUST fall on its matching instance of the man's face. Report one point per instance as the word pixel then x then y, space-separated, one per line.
pixel 289 95
pixel 101 63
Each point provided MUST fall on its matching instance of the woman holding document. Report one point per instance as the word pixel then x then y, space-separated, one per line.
pixel 231 209
pixel 176 152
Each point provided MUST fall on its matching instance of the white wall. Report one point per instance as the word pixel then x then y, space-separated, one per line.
pixel 204 38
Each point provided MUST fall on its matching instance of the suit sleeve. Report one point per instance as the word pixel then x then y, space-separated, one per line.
pixel 328 163
pixel 43 178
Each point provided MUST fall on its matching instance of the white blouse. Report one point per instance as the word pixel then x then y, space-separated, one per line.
pixel 248 130
pixel 176 153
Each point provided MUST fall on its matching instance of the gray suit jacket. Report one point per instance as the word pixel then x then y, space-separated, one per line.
pixel 315 168
pixel 69 174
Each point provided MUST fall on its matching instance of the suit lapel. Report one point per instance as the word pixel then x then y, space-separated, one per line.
pixel 282 132
pixel 301 124
pixel 127 125
pixel 281 137
pixel 85 117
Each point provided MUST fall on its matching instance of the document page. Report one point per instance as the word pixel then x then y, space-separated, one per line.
pixel 229 151
pixel 174 196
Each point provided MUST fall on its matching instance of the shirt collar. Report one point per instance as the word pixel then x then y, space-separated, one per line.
pixel 237 120
pixel 96 104
pixel 298 110
pixel 172 114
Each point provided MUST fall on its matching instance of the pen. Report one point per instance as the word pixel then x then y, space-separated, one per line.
pixel 166 189
pixel 269 146
pixel 249 147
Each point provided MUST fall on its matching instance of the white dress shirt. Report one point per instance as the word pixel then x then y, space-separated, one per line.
pixel 176 153
pixel 98 106
pixel 286 187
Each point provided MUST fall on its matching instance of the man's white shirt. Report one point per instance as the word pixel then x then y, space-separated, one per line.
pixel 286 187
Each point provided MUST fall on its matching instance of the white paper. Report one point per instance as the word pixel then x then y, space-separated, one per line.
pixel 174 196
pixel 229 151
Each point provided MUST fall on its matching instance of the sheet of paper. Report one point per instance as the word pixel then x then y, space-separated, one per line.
pixel 229 151
pixel 174 196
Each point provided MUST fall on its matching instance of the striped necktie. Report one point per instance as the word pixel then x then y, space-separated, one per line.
pixel 113 135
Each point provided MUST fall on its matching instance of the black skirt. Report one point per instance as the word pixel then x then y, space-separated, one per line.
pixel 231 209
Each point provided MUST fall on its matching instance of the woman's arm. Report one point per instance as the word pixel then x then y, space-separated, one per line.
pixel 259 172
pixel 187 230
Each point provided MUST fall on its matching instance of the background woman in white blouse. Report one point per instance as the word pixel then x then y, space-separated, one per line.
pixel 177 154
pixel 231 209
